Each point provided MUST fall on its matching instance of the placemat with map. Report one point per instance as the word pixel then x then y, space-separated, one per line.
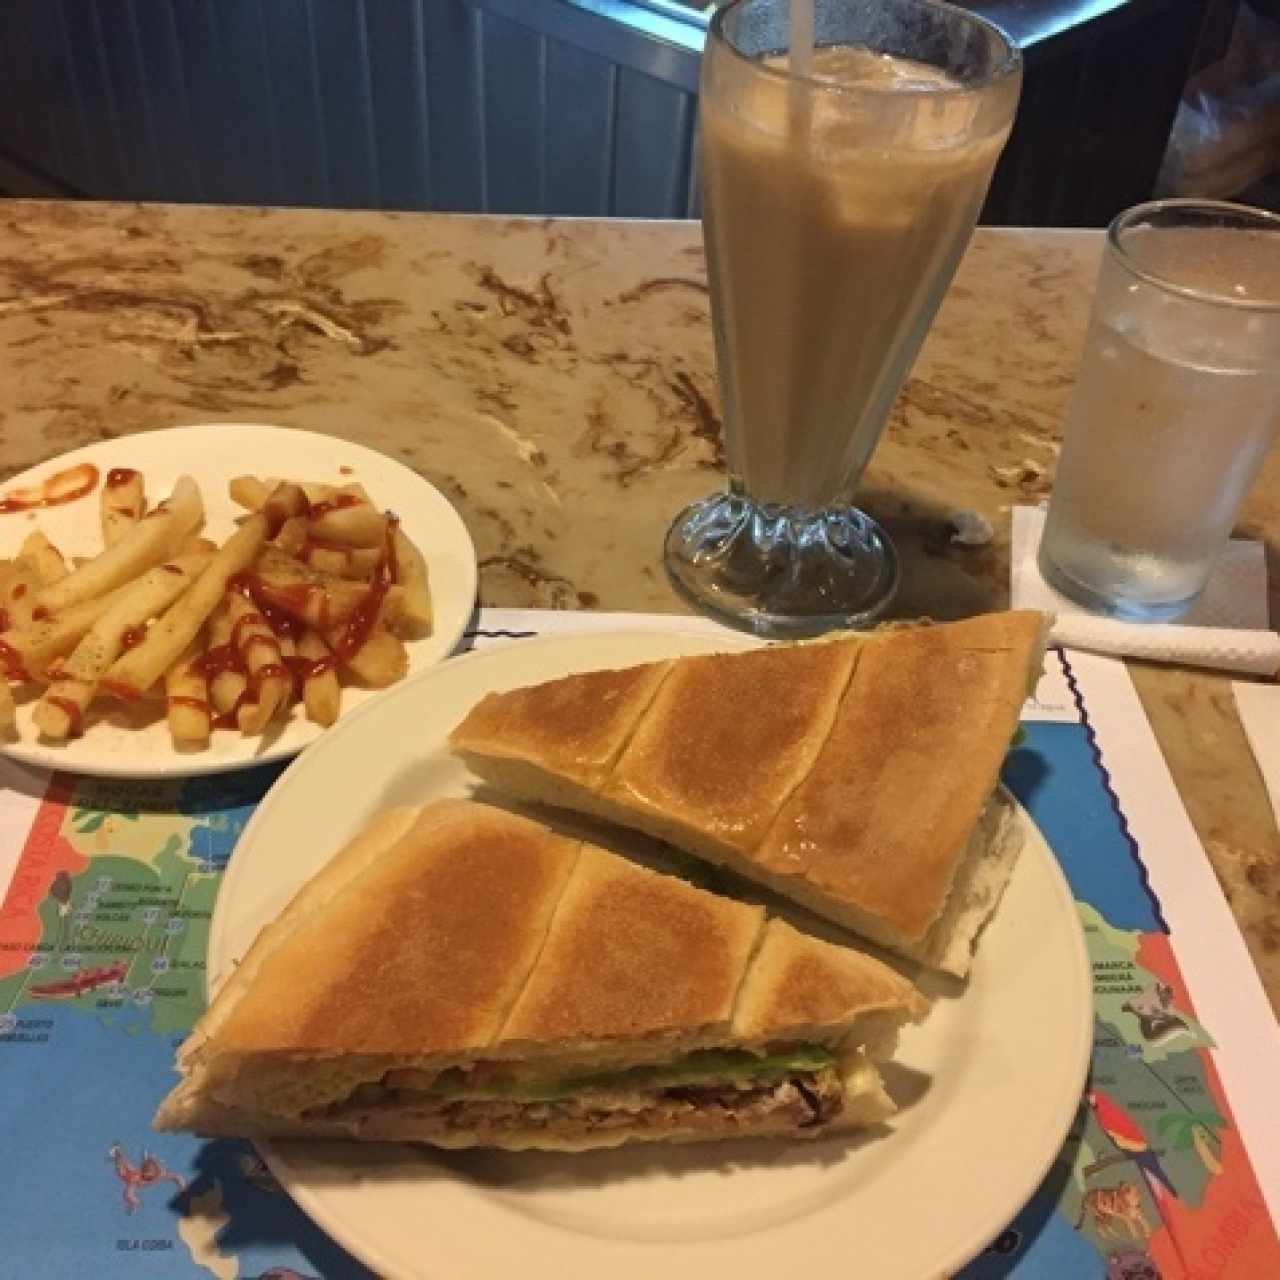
pixel 102 945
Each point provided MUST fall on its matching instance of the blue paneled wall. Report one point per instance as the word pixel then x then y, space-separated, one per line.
pixel 522 106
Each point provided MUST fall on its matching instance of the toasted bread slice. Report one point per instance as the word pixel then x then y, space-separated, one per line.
pixel 802 988
pixel 575 727
pixel 727 739
pixel 856 777
pixel 448 948
pixel 880 825
pixel 607 975
pixel 456 906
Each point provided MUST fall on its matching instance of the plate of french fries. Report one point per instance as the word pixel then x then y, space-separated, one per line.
pixel 213 597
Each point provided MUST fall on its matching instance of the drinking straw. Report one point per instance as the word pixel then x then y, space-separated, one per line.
pixel 799 64
pixel 800 58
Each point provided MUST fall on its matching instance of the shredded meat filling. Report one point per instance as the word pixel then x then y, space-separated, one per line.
pixel 803 1101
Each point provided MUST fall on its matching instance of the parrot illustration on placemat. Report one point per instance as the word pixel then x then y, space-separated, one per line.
pixel 1126 1135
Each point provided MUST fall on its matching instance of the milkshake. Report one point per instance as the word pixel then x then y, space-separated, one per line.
pixel 833 221
pixel 845 150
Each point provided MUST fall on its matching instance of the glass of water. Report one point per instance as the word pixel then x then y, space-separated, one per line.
pixel 1176 403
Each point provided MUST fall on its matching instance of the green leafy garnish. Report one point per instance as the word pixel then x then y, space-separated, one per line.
pixel 733 1066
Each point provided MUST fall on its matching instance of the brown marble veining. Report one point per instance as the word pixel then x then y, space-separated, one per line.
pixel 555 379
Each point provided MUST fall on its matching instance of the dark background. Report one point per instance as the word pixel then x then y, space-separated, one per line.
pixel 514 106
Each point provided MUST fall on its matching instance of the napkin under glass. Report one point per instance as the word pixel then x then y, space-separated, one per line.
pixel 1225 629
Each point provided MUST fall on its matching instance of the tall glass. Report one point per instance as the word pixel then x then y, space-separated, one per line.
pixel 1176 403
pixel 837 203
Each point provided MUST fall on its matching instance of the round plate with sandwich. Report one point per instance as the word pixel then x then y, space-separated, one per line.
pixel 563 1015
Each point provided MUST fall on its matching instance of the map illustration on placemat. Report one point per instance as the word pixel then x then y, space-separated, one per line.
pixel 1154 1180
pixel 102 967
pixel 102 942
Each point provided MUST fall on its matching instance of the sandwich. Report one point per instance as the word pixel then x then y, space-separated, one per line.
pixel 461 976
pixel 857 776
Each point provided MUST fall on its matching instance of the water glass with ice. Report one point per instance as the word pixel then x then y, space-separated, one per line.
pixel 1177 401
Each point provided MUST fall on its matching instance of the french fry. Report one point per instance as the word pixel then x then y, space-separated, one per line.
pixel 249 492
pixel 357 525
pixel 362 562
pixel 143 546
pixel 135 672
pixel 356 563
pixel 292 536
pixel 194 542
pixel 282 569
pixel 43 557
pixel 18 596
pixel 328 606
pixel 381 660
pixel 321 692
pixel 252 492
pixel 260 652
pixel 317 599
pixel 411 573
pixel 293 682
pixel 122 504
pixel 7 570
pixel 32 649
pixel 317 491
pixel 186 690
pixel 285 501
pixel 391 612
pixel 8 710
pixel 356 490
pixel 218 631
pixel 331 560
pixel 226 687
pixel 60 712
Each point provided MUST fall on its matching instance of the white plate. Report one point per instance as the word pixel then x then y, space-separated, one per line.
pixel 212 454
pixel 988 1084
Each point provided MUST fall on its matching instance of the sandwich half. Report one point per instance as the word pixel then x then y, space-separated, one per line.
pixel 461 976
pixel 857 776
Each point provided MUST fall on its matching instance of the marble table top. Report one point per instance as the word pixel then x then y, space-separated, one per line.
pixel 555 380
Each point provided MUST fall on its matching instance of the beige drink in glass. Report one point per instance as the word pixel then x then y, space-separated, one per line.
pixel 830 251
pixel 837 203
pixel 1177 401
